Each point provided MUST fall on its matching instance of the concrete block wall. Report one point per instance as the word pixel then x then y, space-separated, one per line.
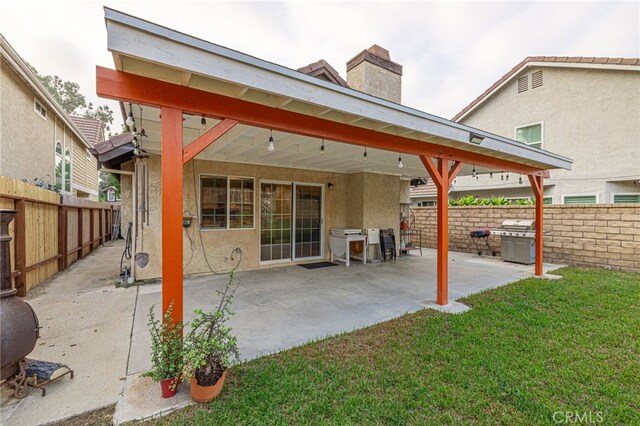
pixel 596 235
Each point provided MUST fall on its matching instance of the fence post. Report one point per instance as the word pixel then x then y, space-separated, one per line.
pixel 91 230
pixel 101 226
pixel 62 238
pixel 80 231
pixel 20 248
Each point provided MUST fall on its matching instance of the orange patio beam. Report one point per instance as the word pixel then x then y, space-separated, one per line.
pixel 171 162
pixel 129 87
pixel 537 184
pixel 206 139
pixel 442 177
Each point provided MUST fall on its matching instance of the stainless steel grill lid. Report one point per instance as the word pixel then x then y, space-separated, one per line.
pixel 519 224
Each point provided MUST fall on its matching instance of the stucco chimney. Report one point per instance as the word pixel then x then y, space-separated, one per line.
pixel 372 71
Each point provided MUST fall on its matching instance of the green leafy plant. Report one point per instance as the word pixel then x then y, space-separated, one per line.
pixel 166 346
pixel 211 347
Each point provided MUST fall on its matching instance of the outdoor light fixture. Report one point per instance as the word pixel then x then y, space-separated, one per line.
pixel 203 123
pixel 271 147
pixel 364 156
pixel 400 164
pixel 477 139
pixel 130 121
pixel 491 174
pixel 473 173
pixel 330 185
pixel 322 148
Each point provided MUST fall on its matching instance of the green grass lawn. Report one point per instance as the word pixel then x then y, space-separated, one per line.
pixel 523 352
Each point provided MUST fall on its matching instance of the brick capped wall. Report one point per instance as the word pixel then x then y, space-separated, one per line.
pixel 602 235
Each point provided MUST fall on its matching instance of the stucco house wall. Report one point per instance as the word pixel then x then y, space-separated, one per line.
pixel 355 200
pixel 28 140
pixel 589 115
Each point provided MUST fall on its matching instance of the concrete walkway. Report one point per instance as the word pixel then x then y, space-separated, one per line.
pixel 284 307
pixel 86 324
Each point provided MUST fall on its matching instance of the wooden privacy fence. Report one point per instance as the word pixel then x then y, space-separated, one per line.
pixel 50 231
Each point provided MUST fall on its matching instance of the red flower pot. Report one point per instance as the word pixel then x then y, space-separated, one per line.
pixel 169 387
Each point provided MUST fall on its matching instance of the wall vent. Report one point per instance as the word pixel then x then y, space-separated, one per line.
pixel 536 79
pixel 523 84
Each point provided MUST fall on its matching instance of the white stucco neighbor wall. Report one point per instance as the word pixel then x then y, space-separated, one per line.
pixel 589 115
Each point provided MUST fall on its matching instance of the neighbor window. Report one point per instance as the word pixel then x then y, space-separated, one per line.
pixel 626 198
pixel 530 135
pixel 67 170
pixel 226 202
pixel 547 200
pixel 59 166
pixel 580 199
pixel 37 107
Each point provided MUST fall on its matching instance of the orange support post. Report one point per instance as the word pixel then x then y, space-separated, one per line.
pixel 442 177
pixel 172 211
pixel 538 190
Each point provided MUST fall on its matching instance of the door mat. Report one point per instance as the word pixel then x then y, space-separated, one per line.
pixel 317 265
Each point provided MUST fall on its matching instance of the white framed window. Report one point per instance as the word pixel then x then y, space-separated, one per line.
pixel 626 198
pixel 59 166
pixel 530 134
pixel 67 170
pixel 227 202
pixel 39 109
pixel 580 199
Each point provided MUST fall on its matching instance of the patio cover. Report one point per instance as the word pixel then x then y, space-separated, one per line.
pixel 181 78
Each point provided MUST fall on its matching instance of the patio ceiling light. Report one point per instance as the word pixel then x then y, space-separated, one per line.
pixel 203 123
pixel 364 156
pixel 476 139
pixel 130 121
pixel 400 164
pixel 322 148
pixel 271 147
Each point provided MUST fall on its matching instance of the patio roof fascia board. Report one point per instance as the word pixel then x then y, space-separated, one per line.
pixel 153 42
pixel 128 87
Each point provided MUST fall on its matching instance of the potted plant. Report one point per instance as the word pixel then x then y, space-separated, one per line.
pixel 211 347
pixel 166 351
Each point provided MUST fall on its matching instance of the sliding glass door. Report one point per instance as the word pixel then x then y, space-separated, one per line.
pixel 290 221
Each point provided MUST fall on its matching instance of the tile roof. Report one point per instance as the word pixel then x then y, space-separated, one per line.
pixel 556 59
pixel 427 189
pixel 92 129
pixel 323 70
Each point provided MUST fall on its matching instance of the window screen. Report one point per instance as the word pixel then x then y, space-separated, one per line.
pixel 580 199
pixel 626 198
pixel 531 135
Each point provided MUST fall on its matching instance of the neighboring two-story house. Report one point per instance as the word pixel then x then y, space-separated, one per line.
pixel 38 140
pixel 587 109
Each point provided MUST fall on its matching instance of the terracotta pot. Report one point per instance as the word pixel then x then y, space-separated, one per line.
pixel 206 393
pixel 168 390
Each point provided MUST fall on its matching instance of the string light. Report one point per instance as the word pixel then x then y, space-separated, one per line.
pixel 491 174
pixel 203 123
pixel 473 173
pixel 322 148
pixel 501 175
pixel 400 164
pixel 364 156
pixel 507 175
pixel 520 180
pixel 271 147
pixel 130 120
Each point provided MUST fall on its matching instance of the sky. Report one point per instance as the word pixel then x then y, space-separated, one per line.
pixel 451 51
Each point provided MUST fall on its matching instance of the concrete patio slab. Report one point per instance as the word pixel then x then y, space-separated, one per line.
pixel 283 307
pixel 452 307
pixel 86 324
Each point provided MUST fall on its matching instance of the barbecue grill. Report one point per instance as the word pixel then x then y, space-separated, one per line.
pixel 480 238
pixel 518 240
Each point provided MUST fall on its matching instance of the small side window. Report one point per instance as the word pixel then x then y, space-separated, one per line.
pixel 39 109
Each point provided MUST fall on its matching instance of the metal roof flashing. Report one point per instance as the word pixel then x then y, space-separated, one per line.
pixel 456 132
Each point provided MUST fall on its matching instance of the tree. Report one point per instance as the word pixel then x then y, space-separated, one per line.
pixel 68 96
